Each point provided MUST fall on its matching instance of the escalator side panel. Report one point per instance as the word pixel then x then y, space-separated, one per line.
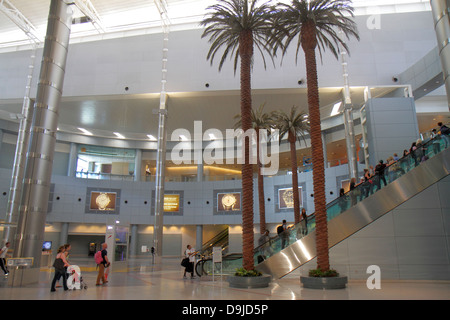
pixel 362 214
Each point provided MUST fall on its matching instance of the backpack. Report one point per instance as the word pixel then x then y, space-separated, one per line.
pixel 98 257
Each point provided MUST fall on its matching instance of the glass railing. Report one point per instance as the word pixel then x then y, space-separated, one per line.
pixel 393 171
pixel 193 177
pixel 220 240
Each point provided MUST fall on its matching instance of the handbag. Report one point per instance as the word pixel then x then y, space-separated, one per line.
pixel 58 264
pixel 185 262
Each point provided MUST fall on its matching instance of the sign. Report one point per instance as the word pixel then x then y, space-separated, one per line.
pixel 229 201
pixel 19 262
pixel 171 202
pixel 217 254
pixel 103 201
pixel 286 198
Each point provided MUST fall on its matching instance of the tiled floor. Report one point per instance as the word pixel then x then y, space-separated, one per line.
pixel 142 280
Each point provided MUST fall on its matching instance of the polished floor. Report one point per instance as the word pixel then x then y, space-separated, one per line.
pixel 143 280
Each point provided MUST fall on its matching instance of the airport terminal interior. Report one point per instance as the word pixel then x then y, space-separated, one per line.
pixel 119 130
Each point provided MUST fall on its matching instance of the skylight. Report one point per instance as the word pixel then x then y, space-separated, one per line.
pixel 144 16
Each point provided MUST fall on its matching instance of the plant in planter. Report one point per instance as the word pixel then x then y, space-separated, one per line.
pixel 320 273
pixel 241 272
pixel 328 279
pixel 243 278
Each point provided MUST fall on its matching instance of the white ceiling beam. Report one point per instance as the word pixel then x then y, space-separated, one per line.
pixel 89 11
pixel 20 20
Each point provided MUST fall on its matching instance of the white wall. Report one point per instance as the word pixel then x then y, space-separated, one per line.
pixel 107 67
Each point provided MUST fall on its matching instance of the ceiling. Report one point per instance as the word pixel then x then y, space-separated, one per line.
pixel 132 115
pixel 119 15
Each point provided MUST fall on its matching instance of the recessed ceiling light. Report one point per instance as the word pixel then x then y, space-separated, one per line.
pixel 151 137
pixel 85 131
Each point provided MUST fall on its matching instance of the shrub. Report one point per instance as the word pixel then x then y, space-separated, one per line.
pixel 320 273
pixel 241 272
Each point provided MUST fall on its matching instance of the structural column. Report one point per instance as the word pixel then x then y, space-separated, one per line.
pixel 199 237
pixel 20 157
pixel 36 186
pixel 64 235
pixel 138 165
pixel 199 165
pixel 133 240
pixel 324 144
pixel 162 136
pixel 441 16
pixel 350 140
pixel 348 115
pixel 73 157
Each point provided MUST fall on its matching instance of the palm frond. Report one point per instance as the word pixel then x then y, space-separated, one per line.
pixel 294 122
pixel 225 22
pixel 328 17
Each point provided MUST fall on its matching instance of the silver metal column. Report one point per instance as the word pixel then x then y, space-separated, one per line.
pixel 348 116
pixel 160 178
pixel 133 240
pixel 162 136
pixel 36 186
pixel 138 165
pixel 73 157
pixel 324 144
pixel 64 235
pixel 441 14
pixel 351 144
pixel 23 136
pixel 199 237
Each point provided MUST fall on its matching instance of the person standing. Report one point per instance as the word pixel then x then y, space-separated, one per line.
pixel 283 233
pixel 190 253
pixel 445 133
pixel 3 255
pixel 264 243
pixel 304 222
pixel 102 266
pixel 379 172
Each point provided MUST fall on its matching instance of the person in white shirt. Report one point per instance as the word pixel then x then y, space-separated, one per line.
pixel 190 253
pixel 3 255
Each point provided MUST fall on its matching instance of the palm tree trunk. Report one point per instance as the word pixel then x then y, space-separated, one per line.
pixel 246 53
pixel 262 206
pixel 292 140
pixel 309 43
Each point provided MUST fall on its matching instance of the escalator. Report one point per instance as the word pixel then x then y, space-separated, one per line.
pixel 219 240
pixel 348 214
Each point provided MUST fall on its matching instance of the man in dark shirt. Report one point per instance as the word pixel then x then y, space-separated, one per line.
pixel 379 171
pixel 102 266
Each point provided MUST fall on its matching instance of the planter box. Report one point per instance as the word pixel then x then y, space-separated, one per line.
pixel 249 282
pixel 324 282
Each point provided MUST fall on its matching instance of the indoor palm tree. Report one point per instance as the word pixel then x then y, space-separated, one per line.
pixel 316 24
pixel 295 125
pixel 260 121
pixel 235 27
